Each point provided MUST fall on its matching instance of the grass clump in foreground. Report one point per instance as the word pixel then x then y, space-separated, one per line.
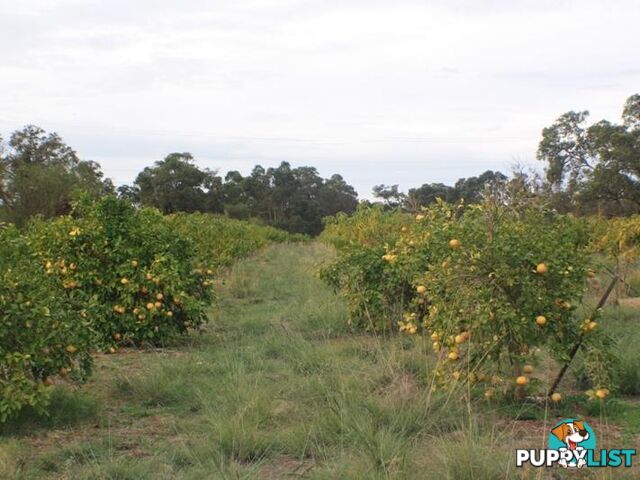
pixel 278 387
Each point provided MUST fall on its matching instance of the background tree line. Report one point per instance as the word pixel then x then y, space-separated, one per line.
pixel 40 175
pixel 587 169
pixel 294 199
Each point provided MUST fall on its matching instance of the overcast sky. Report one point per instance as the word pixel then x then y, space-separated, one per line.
pixel 405 92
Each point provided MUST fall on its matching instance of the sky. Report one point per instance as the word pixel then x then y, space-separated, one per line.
pixel 396 92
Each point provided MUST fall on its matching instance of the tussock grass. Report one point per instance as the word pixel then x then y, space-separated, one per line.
pixel 68 407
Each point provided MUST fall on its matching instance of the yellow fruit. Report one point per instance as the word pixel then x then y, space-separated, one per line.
pixel 421 289
pixel 592 325
pixel 488 393
pixel 591 274
pixel 159 296
pixel 403 229
pixel 522 380
pixel 541 320
pixel 71 349
pixel 454 243
pixel 435 337
pixel 112 350
pixel 141 317
pixel 542 268
pixel 134 263
pixel 169 313
pixel 157 304
pixel 48 266
pixel 460 338
pixel 601 393
pixel 124 281
pixel 150 306
pixel 388 257
pixel 528 369
pixel 436 346
pixel 456 375
pixel 149 276
pixel 419 217
pixel 556 397
pixel 453 356
pixel 117 336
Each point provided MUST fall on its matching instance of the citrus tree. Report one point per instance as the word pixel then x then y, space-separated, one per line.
pixel 498 285
pixel 145 278
pixel 43 332
pixel 491 285
pixel 219 241
pixel 376 282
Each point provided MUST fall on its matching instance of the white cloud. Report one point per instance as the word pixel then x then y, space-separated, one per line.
pixel 382 92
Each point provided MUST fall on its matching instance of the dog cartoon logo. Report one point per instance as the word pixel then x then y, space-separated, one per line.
pixel 572 438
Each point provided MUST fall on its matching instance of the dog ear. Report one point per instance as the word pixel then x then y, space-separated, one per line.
pixel 579 425
pixel 561 431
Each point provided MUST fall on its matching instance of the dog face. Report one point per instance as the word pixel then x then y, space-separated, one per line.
pixel 571 433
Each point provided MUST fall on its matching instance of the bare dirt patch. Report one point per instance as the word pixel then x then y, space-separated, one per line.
pixel 633 302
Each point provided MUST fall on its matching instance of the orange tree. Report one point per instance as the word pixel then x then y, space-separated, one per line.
pixel 219 241
pixel 500 283
pixel 145 278
pixel 43 333
pixel 491 286
pixel 375 281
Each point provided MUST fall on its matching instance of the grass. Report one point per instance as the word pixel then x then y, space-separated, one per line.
pixel 277 387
